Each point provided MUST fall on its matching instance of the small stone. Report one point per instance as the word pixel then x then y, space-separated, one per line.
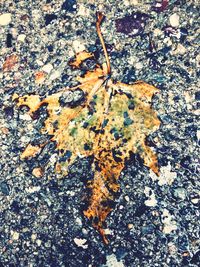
pixel 47 68
pixel 148 229
pixel 107 231
pixel 160 6
pixel 49 18
pixel 53 158
pixel 197 96
pixel 65 78
pixel 172 248
pixel 37 172
pixel 9 38
pixel 126 3
pixel 139 65
pixel 83 11
pixel 113 262
pixel 15 235
pixel 78 46
pixel 180 49
pixel 168 221
pixel 39 77
pixel 33 189
pixel 166 177
pixel 130 226
pixel 5 19
pixel 168 43
pixel 33 237
pixel 50 48
pixel 71 53
pixel 133 24
pixel 25 117
pixel 66 98
pixel 78 95
pixel 151 201
pixel 4 188
pixel 157 32
pixel 39 62
pixel 9 112
pixel 55 75
pixel 174 20
pixel 195 200
pixel 70 193
pixel 10 62
pixel 36 15
pixel 80 242
pixel 69 5
pixel 48 201
pixel 5 130
pixel 21 38
pixel 127 198
pixel 78 221
pixel 180 193
pixel 25 139
pixel 84 231
pixel 38 242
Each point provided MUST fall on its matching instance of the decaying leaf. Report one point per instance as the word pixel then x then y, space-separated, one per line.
pixel 10 62
pixel 80 57
pixel 30 151
pixel 113 120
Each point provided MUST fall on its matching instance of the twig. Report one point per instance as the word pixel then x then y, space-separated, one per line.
pixel 100 18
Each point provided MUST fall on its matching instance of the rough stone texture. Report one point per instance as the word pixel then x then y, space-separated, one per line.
pixel 40 217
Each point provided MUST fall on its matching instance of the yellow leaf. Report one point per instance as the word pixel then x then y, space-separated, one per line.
pixel 30 151
pixel 80 57
pixel 113 120
pixel 31 101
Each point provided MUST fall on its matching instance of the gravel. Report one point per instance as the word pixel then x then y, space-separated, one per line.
pixel 155 221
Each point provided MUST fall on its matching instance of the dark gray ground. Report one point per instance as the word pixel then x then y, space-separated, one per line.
pixel 155 222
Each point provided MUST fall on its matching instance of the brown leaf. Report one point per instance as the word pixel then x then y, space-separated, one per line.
pixel 10 62
pixel 30 151
pixel 80 57
pixel 113 120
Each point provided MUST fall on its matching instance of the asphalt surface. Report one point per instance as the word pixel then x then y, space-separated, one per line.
pixel 155 220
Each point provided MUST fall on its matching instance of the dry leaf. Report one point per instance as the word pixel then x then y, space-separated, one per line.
pixel 10 62
pixel 113 120
pixel 30 151
pixel 80 57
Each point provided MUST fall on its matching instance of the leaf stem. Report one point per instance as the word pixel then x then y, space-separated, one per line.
pixel 100 18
